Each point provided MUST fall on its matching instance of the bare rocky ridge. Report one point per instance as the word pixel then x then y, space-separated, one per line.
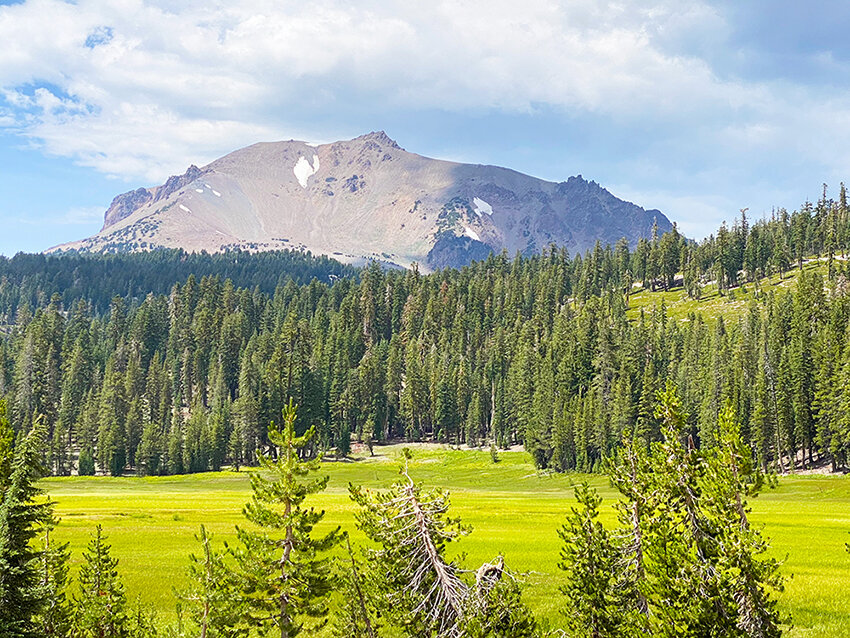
pixel 365 198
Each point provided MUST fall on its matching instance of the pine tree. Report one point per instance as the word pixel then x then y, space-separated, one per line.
pixel 22 517
pixel 100 609
pixel 85 464
pixel 590 556
pixel 407 581
pixel 749 579
pixel 357 616
pixel 701 551
pixel 412 583
pixel 7 448
pixel 286 576
pixel 54 621
pixel 685 560
pixel 217 608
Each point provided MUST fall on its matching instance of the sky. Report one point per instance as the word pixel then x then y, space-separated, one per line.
pixel 697 108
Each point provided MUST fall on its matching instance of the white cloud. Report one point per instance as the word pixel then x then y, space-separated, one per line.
pixel 82 215
pixel 138 88
pixel 142 88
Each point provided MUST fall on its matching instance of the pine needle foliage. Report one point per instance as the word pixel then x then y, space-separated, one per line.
pixel 419 589
pixel 685 560
pixel 100 609
pixel 22 517
pixel 412 587
pixel 7 445
pixel 54 620
pixel 590 558
pixel 357 616
pixel 215 605
pixel 285 571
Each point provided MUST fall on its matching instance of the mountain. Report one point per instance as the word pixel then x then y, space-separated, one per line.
pixel 365 198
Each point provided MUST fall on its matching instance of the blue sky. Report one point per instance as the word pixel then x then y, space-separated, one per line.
pixel 698 108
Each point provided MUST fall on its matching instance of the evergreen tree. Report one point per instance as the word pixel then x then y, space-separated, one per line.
pixel 685 560
pixel 595 606
pixel 358 615
pixel 286 577
pixel 23 595
pixel 217 607
pixel 7 448
pixel 54 621
pixel 85 464
pixel 100 609
pixel 409 585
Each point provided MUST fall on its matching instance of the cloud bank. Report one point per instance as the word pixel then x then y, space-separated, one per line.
pixel 140 89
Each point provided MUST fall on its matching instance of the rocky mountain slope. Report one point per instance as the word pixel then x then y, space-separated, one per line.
pixel 365 198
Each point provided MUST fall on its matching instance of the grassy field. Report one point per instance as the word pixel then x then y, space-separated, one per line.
pixel 151 523
pixel 711 304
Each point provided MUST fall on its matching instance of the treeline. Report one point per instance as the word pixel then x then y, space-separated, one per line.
pixel 30 281
pixel 534 350
pixel 683 560
pixel 741 253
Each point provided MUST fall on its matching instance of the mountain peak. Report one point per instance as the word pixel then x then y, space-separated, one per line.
pixel 363 199
pixel 379 137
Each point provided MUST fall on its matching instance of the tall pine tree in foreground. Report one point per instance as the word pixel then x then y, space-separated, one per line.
pixel 685 560
pixel 286 575
pixel 22 517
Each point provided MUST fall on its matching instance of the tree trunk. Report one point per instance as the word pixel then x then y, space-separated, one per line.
pixel 284 560
pixel 287 548
pixel 356 578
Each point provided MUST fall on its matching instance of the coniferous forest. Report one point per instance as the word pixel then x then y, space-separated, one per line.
pixel 689 419
pixel 534 350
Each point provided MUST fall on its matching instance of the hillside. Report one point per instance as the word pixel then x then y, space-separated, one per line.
pixel 366 198
pixel 731 304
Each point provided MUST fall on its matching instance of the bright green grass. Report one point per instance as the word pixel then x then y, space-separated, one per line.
pixel 512 509
pixel 711 304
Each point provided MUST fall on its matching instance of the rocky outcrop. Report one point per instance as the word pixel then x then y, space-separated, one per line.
pixel 128 203
pixel 366 198
pixel 176 182
pixel 125 205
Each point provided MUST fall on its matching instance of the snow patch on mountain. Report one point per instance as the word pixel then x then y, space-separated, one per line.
pixel 415 209
pixel 303 170
pixel 481 207
pixel 471 233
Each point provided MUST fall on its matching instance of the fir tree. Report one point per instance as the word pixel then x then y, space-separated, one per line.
pixel 286 576
pixel 22 517
pixel 100 609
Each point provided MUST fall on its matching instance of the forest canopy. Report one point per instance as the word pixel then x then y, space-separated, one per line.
pixel 535 350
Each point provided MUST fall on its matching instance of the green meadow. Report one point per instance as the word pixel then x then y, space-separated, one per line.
pixel 711 304
pixel 514 510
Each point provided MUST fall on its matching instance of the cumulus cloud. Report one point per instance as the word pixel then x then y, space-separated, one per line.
pixel 141 88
